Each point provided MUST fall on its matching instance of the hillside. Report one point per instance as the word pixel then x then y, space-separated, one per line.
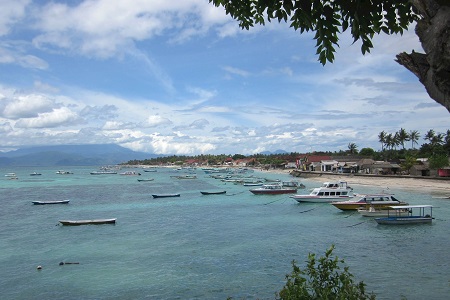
pixel 71 155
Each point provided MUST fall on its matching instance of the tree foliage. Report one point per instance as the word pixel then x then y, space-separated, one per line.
pixel 364 19
pixel 327 19
pixel 322 278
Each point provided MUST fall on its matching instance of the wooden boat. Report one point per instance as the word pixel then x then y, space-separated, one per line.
pixel 35 174
pixel 185 177
pixel 62 172
pixel 103 172
pixel 416 215
pixel 213 193
pixel 150 170
pixel 149 179
pixel 366 200
pixel 273 189
pixel 379 212
pixel 87 222
pixel 165 195
pixel 130 173
pixel 51 202
pixel 328 192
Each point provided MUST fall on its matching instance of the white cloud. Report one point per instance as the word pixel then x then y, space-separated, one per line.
pixel 56 118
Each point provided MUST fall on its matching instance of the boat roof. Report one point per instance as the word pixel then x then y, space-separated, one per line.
pixel 410 206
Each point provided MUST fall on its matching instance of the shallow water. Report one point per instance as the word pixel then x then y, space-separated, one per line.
pixel 200 247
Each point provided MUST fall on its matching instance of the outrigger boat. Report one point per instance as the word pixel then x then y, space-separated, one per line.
pixel 50 202
pixel 87 222
pixel 420 217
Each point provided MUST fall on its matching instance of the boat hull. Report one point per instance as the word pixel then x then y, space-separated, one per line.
pixel 404 220
pixel 87 222
pixel 50 202
pixel 319 199
pixel 165 195
pixel 213 193
pixel 273 192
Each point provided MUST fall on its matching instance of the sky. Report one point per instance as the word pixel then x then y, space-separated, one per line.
pixel 182 78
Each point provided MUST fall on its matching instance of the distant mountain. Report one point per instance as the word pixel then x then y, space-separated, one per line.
pixel 71 155
pixel 275 152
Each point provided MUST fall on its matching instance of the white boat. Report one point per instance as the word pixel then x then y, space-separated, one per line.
pixel 416 215
pixel 35 174
pixel 379 212
pixel 11 176
pixel 328 192
pixel 87 222
pixel 62 172
pixel 130 173
pixel 50 202
pixel 103 172
pixel 273 189
pixel 378 201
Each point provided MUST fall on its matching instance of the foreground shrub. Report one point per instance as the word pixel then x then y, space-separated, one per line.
pixel 322 279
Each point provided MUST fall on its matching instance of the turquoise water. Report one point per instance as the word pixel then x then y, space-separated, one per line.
pixel 236 245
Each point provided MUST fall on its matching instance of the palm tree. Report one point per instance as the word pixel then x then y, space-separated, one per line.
pixel 402 137
pixel 389 141
pixel 429 135
pixel 352 147
pixel 414 137
pixel 382 139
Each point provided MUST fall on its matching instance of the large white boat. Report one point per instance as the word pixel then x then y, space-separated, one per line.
pixel 377 201
pixel 328 192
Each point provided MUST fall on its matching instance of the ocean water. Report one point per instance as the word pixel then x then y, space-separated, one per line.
pixel 235 245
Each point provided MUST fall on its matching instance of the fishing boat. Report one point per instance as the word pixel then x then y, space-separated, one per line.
pixel 62 172
pixel 150 170
pixel 148 179
pixel 273 189
pixel 87 222
pixel 11 176
pixel 35 174
pixel 165 195
pixel 213 193
pixel 130 173
pixel 293 183
pixel 185 177
pixel 379 212
pixel 328 192
pixel 51 202
pixel 103 172
pixel 377 201
pixel 416 215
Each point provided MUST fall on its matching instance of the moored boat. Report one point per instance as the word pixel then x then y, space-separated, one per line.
pixel 50 202
pixel 416 215
pixel 213 193
pixel 35 174
pixel 379 212
pixel 165 195
pixel 130 173
pixel 377 201
pixel 103 172
pixel 62 172
pixel 148 179
pixel 87 222
pixel 328 192
pixel 273 189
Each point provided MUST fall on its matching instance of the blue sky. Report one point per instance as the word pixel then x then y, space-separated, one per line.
pixel 172 77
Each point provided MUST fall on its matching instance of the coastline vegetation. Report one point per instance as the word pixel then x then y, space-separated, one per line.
pixel 394 147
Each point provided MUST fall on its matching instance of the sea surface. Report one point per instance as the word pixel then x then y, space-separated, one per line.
pixel 197 246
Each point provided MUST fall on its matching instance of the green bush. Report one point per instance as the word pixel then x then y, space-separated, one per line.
pixel 322 279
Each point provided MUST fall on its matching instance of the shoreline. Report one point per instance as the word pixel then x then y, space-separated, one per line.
pixel 442 186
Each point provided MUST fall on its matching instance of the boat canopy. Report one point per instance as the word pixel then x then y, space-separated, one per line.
pixel 410 206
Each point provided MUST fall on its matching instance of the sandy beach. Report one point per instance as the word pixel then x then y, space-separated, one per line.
pixel 438 186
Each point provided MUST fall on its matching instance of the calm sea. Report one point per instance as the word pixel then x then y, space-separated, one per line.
pixel 200 247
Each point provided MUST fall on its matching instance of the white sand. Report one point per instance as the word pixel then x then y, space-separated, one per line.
pixel 437 185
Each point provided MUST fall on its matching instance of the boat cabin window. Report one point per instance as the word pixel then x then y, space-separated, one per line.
pixel 332 193
pixel 320 194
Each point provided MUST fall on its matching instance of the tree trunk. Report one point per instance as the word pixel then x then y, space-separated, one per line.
pixel 433 67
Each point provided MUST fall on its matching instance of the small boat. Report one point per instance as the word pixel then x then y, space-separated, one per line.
pixel 149 179
pixel 416 215
pixel 102 172
pixel 328 192
pixel 87 222
pixel 130 173
pixel 366 200
pixel 62 172
pixel 35 174
pixel 253 184
pixel 150 170
pixel 273 189
pixel 50 202
pixel 379 212
pixel 165 195
pixel 11 176
pixel 185 177
pixel 213 193
pixel 293 183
